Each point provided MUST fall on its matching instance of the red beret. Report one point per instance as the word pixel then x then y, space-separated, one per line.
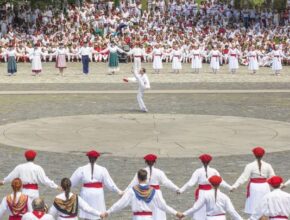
pixel 93 154
pixel 275 181
pixel 258 151
pixel 205 158
pixel 30 154
pixel 215 180
pixel 150 157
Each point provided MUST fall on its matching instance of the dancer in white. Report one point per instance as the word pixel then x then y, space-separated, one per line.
pixel 35 57
pixel 257 172
pixel 217 203
pixel 157 59
pixel 39 212
pixel 137 53
pixel 144 83
pixel 277 56
pixel 67 204
pixel 196 58
pixel 143 200
pixel 234 54
pixel 176 59
pixel 252 57
pixel 93 178
pixel 200 177
pixel 215 59
pixel 31 175
pixel 156 178
pixel 274 205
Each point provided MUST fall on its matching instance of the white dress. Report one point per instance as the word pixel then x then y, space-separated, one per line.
pixel 156 179
pixel 215 57
pixel 196 59
pixel 199 178
pixel 256 189
pixel 253 60
pixel 176 59
pixel 157 59
pixel 233 58
pixel 93 195
pixel 35 57
pixel 275 203
pixel 216 208
pixel 277 60
pixel 82 205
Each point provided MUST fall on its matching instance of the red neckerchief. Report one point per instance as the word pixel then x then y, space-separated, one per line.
pixel 38 214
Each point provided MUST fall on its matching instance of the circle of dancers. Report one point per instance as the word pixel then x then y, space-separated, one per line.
pixel 265 198
pixel 197 54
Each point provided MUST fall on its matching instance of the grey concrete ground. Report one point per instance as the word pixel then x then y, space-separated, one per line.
pixel 272 106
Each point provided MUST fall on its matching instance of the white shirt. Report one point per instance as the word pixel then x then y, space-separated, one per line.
pixel 221 205
pixel 252 171
pixel 31 216
pixel 275 203
pixel 129 198
pixel 85 51
pixel 158 177
pixel 199 177
pixel 143 81
pixel 136 52
pixel 84 175
pixel 81 203
pixel 5 208
pixel 30 173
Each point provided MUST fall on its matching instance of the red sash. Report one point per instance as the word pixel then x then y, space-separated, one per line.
pixel 233 55
pixel 254 180
pixel 15 217
pixel 201 187
pixel 216 215
pixel 143 213
pixel 30 186
pixel 93 185
pixel 157 187
pixel 38 214
pixel 278 216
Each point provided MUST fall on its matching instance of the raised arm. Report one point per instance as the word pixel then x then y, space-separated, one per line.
pixel 244 177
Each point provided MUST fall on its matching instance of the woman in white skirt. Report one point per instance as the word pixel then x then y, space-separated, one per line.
pixel 35 57
pixel 215 59
pixel 156 178
pixel 277 56
pixel 234 54
pixel 176 59
pixel 157 58
pixel 217 204
pixel 93 177
pixel 60 57
pixel 252 57
pixel 196 58
pixel 257 174
pixel 200 178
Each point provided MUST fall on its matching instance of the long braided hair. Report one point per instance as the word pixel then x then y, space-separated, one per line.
pixel 150 164
pixel 16 185
pixel 205 165
pixel 259 160
pixel 92 162
pixel 66 186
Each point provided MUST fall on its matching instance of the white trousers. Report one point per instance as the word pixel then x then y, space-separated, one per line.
pixel 137 64
pixel 140 95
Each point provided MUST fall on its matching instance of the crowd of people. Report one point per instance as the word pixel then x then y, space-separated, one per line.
pixel 144 193
pixel 177 32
